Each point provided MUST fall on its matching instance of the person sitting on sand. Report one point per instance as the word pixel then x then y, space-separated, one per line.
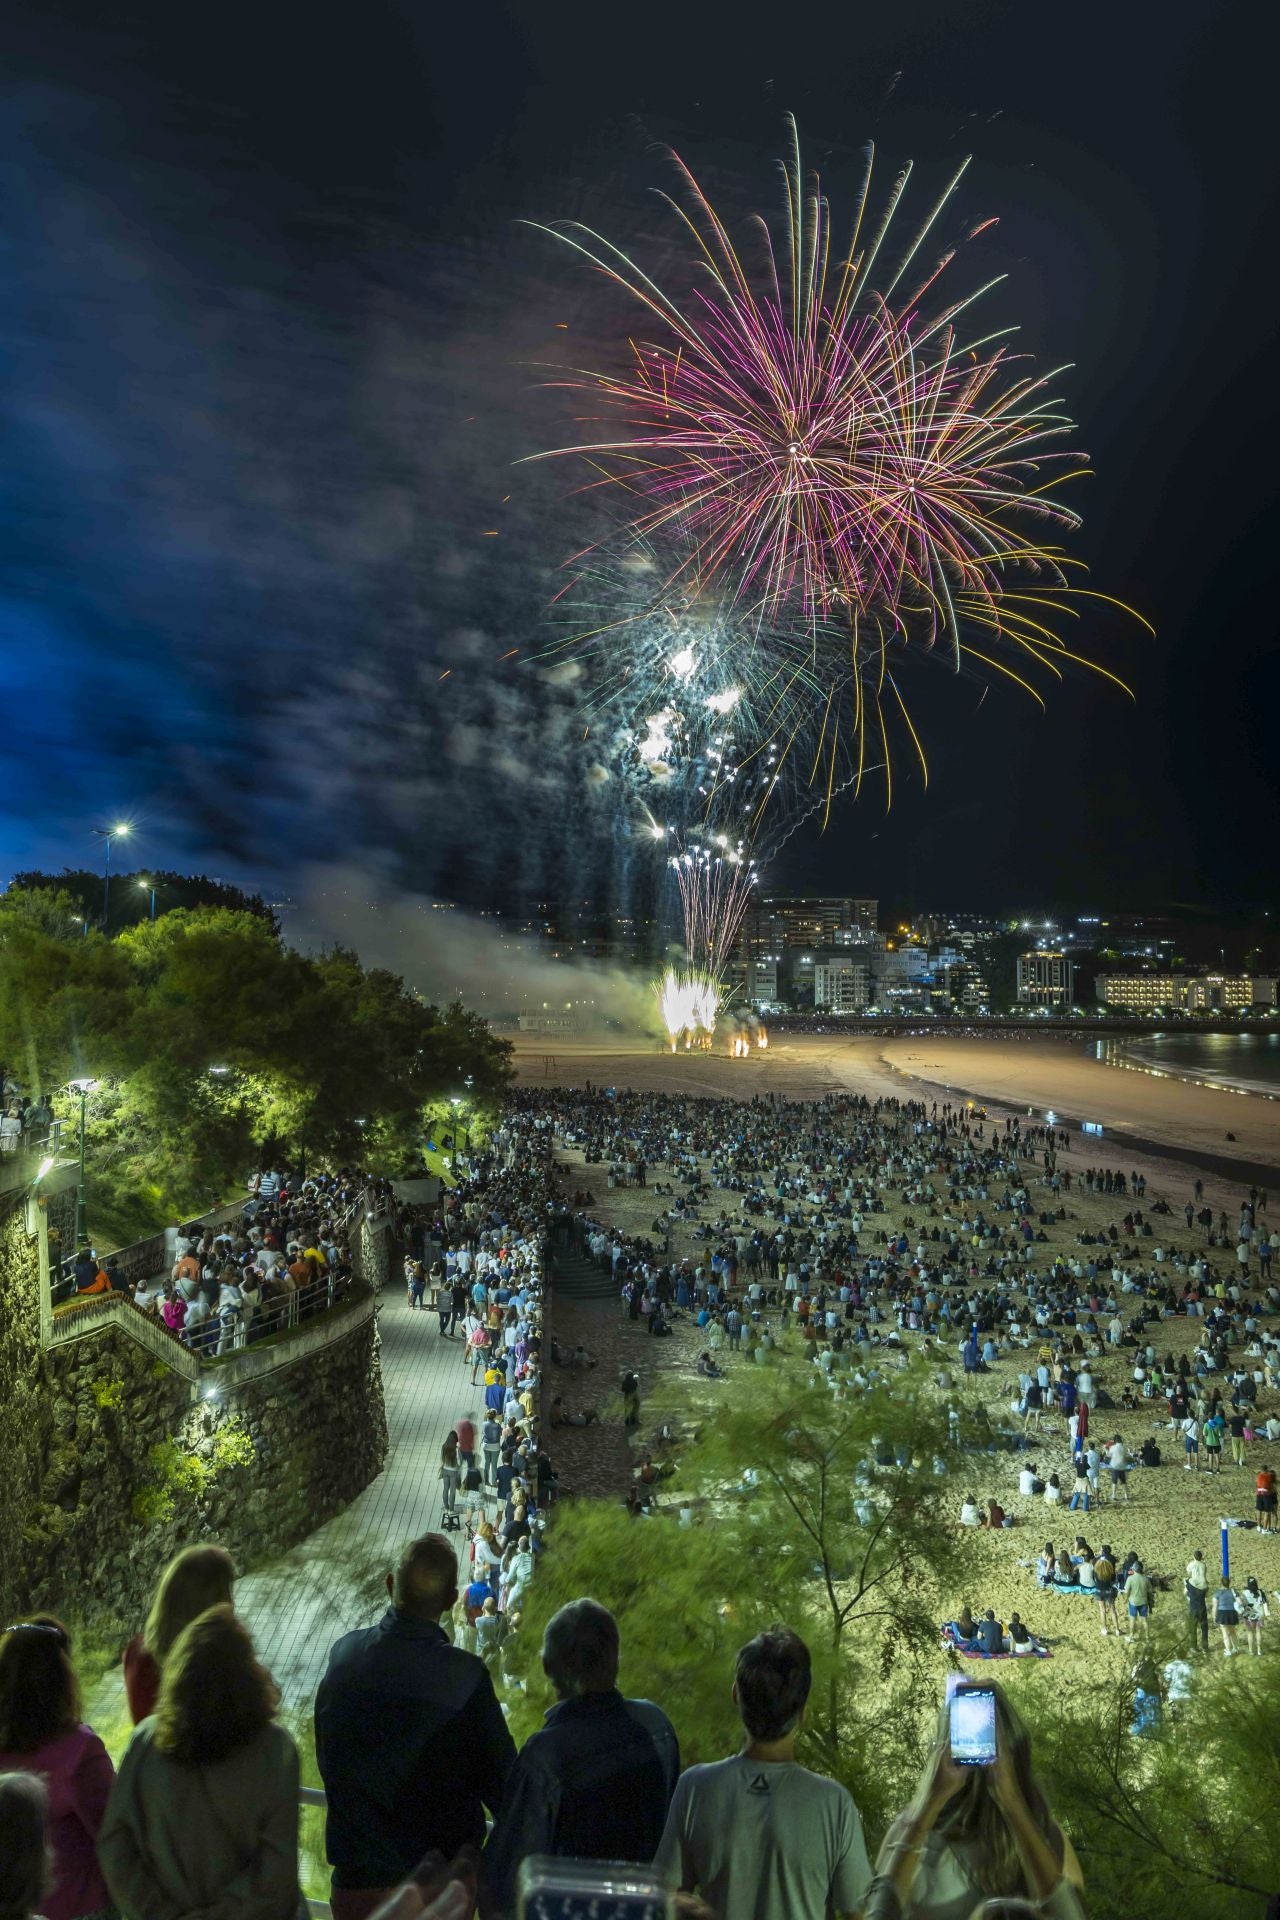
pixel 707 1367
pixel 963 1630
pixel 969 1514
pixel 989 1634
pixel 1020 1640
pixel 994 1516
pixel 1046 1565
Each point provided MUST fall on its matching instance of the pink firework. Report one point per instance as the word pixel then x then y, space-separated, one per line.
pixel 812 437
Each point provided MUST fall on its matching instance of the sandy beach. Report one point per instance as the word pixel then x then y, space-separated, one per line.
pixel 1059 1074
pixel 1035 1074
pixel 1171 1511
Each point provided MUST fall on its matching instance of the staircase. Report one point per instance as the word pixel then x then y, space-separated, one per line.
pixel 577 1277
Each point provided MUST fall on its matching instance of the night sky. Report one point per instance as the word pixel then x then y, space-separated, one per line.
pixel 267 331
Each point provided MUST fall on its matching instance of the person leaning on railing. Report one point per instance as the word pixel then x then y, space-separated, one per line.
pixel 194 1580
pixel 411 1742
pixel 41 1733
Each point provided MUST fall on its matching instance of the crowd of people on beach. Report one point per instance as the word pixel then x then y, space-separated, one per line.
pixel 968 1278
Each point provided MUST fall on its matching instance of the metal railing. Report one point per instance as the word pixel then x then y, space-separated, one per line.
pixel 89 1315
pixel 20 1164
pixel 214 1337
pixel 314 1797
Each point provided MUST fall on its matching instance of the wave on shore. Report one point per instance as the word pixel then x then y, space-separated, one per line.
pixel 1244 1063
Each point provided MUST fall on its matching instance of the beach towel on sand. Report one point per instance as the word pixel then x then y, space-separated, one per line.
pixel 971 1651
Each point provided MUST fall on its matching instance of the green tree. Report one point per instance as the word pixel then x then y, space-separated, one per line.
pixel 63 996
pixel 1193 1807
pixel 131 894
pixel 824 1510
pixel 215 1046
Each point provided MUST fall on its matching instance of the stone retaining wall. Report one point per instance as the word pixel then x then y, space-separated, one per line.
pixel 108 1463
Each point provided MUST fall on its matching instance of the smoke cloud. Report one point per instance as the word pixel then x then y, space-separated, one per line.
pixel 447 953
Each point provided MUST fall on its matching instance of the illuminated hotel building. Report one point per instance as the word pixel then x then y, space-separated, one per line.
pixel 1045 979
pixel 1185 992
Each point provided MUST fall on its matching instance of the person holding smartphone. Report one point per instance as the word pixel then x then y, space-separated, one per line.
pixel 978 1830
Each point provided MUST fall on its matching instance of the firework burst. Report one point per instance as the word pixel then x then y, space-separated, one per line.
pixel 810 440
pixel 689 1003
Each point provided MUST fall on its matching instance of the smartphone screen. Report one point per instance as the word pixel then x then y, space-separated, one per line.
pixel 973 1727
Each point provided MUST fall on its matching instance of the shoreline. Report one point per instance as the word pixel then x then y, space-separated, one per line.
pixel 1240 1172
pixel 1251 1089
pixel 1179 1121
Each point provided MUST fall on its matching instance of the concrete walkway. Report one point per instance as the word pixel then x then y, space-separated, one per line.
pixel 334 1580
pixel 299 1605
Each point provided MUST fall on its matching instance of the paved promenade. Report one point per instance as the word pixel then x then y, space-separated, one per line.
pixel 334 1580
pixel 297 1607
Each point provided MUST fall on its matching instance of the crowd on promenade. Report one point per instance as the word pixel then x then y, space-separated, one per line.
pixel 420 1770
pixel 286 1258
pixel 478 1262
pixel 25 1119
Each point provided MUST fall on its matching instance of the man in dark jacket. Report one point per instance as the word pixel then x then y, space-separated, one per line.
pixel 410 1740
pixel 596 1782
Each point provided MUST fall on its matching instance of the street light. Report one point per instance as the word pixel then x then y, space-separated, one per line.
pixel 120 831
pixel 149 886
pixel 455 1101
pixel 84 1088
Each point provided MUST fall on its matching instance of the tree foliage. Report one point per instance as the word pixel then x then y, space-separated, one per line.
pixel 130 900
pixel 1192 1807
pixel 828 1511
pixel 217 1047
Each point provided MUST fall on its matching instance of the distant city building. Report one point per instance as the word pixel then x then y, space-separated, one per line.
pixel 827 920
pixel 841 984
pixel 760 977
pixel 965 986
pixel 1046 978
pixel 1184 992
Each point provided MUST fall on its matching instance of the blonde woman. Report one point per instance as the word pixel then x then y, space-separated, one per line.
pixel 486 1554
pixel 973 1834
pixel 194 1580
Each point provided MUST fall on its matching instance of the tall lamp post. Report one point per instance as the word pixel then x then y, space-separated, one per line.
pixel 149 886
pixel 455 1101
pixel 107 834
pixel 84 1088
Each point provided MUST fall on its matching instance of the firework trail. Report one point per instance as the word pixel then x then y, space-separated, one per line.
pixel 716 880
pixel 809 437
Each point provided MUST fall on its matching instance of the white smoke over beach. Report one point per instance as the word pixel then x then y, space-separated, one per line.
pixel 447 953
